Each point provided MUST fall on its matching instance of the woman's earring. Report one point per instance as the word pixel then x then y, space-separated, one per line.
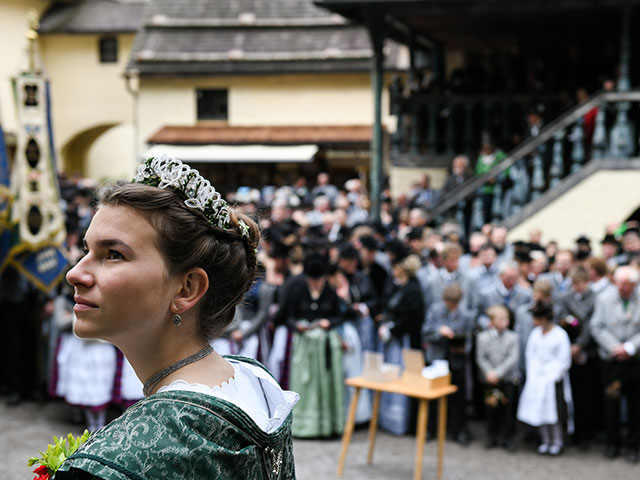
pixel 177 320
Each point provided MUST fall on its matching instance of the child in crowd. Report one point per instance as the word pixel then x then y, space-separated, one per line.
pixel 497 354
pixel 447 335
pixel 546 391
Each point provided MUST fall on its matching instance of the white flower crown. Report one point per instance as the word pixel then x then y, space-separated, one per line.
pixel 165 171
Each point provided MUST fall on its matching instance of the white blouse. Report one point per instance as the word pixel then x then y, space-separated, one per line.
pixel 251 389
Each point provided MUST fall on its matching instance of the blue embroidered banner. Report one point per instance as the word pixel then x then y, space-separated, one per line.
pixel 5 231
pixel 37 220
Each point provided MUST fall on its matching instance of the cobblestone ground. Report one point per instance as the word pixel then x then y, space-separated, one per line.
pixel 29 427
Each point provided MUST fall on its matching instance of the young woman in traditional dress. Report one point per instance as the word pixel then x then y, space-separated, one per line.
pixel 166 263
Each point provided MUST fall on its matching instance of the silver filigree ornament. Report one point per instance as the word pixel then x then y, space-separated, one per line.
pixel 165 171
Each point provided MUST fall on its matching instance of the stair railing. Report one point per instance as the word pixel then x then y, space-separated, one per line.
pixel 522 176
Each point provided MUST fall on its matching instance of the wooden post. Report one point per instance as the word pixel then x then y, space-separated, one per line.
pixel 577 150
pixel 376 32
pixel 468 128
pixel 442 429
pixel 432 137
pixel 496 201
pixel 621 144
pixel 348 430
pixel 477 216
pixel 450 137
pixel 537 176
pixel 599 140
pixel 373 425
pixel 415 128
pixel 461 219
pixel 423 414
pixel 557 162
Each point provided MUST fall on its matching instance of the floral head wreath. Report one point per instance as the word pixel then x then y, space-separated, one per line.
pixel 165 171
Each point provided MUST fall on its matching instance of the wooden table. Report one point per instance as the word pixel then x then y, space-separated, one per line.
pixel 403 387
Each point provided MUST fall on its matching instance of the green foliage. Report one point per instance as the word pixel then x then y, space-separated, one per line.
pixel 57 453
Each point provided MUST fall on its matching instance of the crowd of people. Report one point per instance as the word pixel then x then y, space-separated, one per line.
pixel 540 341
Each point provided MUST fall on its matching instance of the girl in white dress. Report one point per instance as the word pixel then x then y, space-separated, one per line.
pixel 546 390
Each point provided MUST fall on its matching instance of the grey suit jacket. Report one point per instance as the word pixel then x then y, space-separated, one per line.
pixel 499 352
pixel 613 324
pixel 581 307
pixel 433 286
pixel 496 294
pixel 460 321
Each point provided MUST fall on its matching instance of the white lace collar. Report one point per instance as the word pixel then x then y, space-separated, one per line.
pixel 251 389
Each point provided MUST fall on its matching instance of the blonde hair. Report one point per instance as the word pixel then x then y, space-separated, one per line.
pixel 452 293
pixel 410 265
pixel 450 248
pixel 495 310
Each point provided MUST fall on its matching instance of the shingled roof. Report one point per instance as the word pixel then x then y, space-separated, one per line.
pixel 93 16
pixel 201 37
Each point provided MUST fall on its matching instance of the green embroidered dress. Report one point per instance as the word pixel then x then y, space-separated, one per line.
pixel 184 435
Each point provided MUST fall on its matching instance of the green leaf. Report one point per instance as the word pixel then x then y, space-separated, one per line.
pixel 58 452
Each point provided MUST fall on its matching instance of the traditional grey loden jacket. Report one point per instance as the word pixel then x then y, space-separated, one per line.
pixel 499 352
pixel 613 324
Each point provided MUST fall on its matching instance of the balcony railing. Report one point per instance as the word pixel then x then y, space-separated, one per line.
pixel 539 163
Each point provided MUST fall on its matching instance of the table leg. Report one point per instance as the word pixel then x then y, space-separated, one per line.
pixel 423 413
pixel 348 430
pixel 442 429
pixel 373 425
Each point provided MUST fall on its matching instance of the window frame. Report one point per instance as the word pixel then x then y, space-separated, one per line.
pixel 108 49
pixel 215 109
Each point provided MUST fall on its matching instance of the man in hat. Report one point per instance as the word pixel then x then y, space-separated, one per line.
pixel 610 247
pixel 630 247
pixel 583 248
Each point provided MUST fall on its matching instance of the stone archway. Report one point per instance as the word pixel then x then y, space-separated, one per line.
pixel 74 153
pixel 100 152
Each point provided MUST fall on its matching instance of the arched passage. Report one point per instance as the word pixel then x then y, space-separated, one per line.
pixel 74 153
pixel 101 152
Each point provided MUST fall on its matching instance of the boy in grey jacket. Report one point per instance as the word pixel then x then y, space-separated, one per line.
pixel 497 354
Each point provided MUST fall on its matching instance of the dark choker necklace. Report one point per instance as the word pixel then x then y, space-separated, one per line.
pixel 165 372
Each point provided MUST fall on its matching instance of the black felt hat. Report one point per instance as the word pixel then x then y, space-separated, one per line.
pixel 397 248
pixel 583 239
pixel 349 252
pixel 542 309
pixel 415 233
pixel 278 250
pixel 369 242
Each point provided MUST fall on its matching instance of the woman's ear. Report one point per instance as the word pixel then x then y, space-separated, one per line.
pixel 194 284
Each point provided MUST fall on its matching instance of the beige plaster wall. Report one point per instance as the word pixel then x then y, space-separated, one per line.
pixel 402 178
pixel 266 100
pixel 605 197
pixel 84 92
pixel 110 156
